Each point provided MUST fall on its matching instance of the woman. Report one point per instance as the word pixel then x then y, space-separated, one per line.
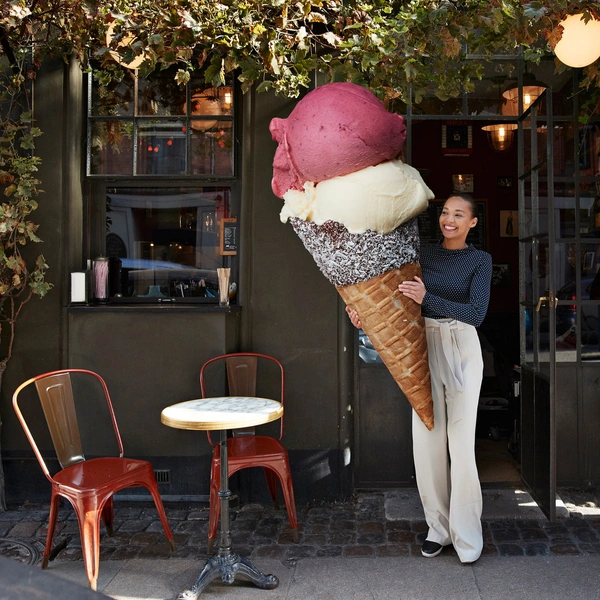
pixel 454 295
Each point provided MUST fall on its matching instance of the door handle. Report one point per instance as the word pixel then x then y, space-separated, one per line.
pixel 545 299
pixel 539 303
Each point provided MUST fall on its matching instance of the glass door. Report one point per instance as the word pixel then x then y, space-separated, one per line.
pixel 537 303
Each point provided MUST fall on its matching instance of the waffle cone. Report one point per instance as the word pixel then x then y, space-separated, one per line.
pixel 395 327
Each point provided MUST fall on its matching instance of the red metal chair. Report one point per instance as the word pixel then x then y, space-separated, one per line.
pixel 87 484
pixel 245 449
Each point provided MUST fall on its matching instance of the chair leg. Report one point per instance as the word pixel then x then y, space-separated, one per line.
pixel 215 505
pixel 282 469
pixel 108 516
pixel 52 518
pixel 272 485
pixel 89 527
pixel 152 487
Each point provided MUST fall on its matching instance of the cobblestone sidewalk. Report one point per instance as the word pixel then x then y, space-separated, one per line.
pixel 354 529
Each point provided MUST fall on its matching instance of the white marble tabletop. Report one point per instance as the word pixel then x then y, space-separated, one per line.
pixel 225 412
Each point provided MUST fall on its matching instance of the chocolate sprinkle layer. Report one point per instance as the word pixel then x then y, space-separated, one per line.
pixel 346 258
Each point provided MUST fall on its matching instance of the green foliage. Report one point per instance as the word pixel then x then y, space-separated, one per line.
pixel 415 44
pixel 20 278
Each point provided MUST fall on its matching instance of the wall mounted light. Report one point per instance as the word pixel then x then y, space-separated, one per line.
pixel 580 42
pixel 500 136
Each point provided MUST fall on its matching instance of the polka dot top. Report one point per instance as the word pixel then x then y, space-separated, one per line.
pixel 457 283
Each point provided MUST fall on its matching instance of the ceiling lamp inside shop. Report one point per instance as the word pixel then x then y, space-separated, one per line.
pixel 210 102
pixel 500 136
pixel 580 42
pixel 127 39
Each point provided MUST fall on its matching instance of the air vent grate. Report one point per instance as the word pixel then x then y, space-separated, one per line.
pixel 162 475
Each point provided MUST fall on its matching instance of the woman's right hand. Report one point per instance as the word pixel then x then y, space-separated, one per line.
pixel 354 317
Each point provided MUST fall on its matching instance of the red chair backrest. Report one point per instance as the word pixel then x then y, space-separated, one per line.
pixel 55 392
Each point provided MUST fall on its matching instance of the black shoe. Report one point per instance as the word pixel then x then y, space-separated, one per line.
pixel 430 549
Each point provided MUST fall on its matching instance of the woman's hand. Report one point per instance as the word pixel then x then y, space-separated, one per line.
pixel 354 317
pixel 413 289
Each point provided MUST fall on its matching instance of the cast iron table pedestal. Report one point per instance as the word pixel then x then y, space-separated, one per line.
pixel 236 412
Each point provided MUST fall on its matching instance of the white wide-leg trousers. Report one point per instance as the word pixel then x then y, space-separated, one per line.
pixel 445 466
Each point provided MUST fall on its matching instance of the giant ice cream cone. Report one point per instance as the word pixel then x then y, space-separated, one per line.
pixel 355 209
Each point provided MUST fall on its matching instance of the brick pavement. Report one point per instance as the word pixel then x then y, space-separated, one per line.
pixel 354 529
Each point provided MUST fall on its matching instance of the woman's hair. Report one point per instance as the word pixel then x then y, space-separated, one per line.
pixel 469 199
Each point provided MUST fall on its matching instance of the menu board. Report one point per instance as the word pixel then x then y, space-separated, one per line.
pixel 429 228
pixel 229 237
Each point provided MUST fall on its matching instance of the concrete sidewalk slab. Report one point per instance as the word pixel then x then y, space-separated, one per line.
pixel 401 578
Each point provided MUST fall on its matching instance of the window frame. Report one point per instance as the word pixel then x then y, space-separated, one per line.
pixel 97 185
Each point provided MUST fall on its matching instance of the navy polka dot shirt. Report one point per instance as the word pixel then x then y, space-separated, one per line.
pixel 457 283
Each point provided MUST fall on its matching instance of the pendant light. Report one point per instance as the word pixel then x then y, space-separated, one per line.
pixel 532 90
pixel 580 42
pixel 500 136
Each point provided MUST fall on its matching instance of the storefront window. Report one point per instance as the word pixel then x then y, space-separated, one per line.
pixel 163 193
pixel 168 241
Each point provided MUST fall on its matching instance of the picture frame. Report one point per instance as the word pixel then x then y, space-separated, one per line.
pixel 457 138
pixel 505 182
pixel 509 223
pixel 501 275
pixel 589 259
pixel 462 182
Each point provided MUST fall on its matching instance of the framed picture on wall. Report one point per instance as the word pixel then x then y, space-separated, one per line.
pixel 462 183
pixel 504 182
pixel 509 223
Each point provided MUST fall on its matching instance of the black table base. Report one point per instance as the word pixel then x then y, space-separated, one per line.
pixel 226 564
pixel 228 568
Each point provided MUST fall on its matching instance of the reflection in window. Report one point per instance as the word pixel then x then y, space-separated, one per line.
pixel 167 240
pixel 366 351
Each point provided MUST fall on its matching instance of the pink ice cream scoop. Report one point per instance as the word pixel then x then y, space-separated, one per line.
pixel 334 130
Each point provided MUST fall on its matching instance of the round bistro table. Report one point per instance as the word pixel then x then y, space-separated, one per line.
pixel 223 413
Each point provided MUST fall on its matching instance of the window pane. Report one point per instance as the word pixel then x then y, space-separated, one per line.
pixel 590 330
pixel 210 102
pixel 565 269
pixel 111 148
pixel 431 105
pixel 566 334
pixel 161 148
pixel 167 240
pixel 161 96
pixel 487 98
pixel 114 99
pixel 211 148
pixel 564 211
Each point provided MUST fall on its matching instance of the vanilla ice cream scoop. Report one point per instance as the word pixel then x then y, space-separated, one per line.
pixel 377 198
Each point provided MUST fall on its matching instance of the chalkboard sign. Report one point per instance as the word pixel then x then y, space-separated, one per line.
pixel 229 237
pixel 429 228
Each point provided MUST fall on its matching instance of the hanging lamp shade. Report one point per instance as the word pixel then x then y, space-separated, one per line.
pixel 532 90
pixel 126 41
pixel 580 42
pixel 500 135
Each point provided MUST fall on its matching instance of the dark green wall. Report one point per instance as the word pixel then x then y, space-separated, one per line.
pixel 150 357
